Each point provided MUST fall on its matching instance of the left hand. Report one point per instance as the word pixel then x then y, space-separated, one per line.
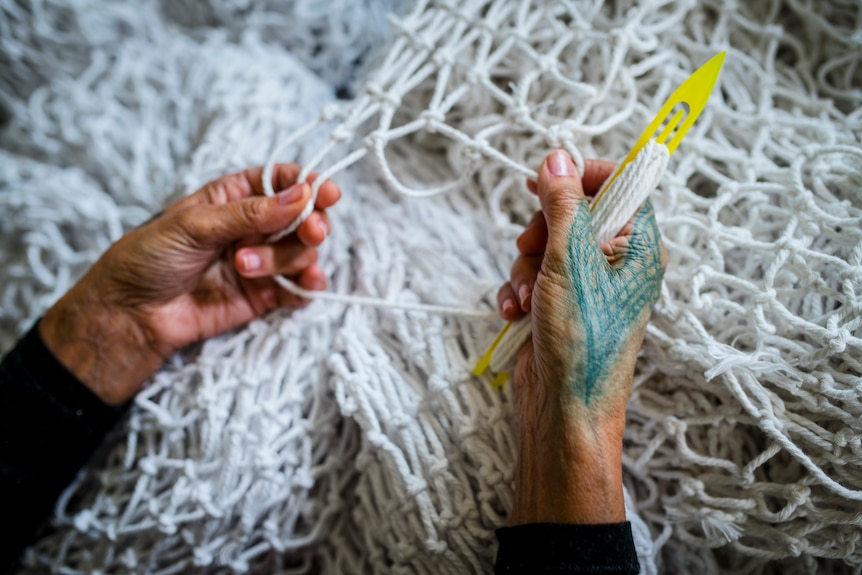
pixel 589 305
pixel 199 269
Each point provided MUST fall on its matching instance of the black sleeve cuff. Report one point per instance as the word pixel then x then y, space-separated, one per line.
pixel 567 548
pixel 50 425
pixel 43 374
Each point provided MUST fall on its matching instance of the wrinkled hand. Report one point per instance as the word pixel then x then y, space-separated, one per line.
pixel 200 268
pixel 589 306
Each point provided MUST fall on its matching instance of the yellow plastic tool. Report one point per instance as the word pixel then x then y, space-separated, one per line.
pixel 688 100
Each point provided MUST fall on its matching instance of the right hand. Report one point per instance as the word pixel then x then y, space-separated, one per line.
pixel 589 308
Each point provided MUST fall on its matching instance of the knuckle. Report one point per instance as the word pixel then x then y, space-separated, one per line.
pixel 251 213
pixel 568 189
pixel 189 223
pixel 561 200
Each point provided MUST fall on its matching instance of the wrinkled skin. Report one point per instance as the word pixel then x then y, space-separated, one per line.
pixel 198 269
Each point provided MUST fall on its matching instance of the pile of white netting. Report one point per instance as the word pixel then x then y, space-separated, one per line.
pixel 349 438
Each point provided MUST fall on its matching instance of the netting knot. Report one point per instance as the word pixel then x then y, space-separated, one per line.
pixel 341 134
pixel 330 111
pixel 547 62
pixel 432 118
pixel 400 421
pixel 376 91
pixel 437 383
pixel 167 525
pixel 768 423
pixel 442 59
pixel 797 494
pixel 148 465
pixel 845 436
pixel 518 113
pixel 436 546
pixel 415 486
pixel 852 274
pixel 374 140
pixel 674 426
pixel 438 467
pixel 83 520
pixel 765 296
pixel 557 136
pixel 202 556
pixel 475 149
pixel 795 547
pixel 836 339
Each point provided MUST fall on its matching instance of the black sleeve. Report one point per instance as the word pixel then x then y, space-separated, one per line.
pixel 50 424
pixel 567 548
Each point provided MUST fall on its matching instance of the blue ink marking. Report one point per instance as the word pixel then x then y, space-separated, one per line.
pixel 610 300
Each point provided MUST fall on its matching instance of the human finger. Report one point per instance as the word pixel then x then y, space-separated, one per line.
pixel 286 258
pixel 238 186
pixel 616 248
pixel 314 229
pixel 214 225
pixel 523 279
pixel 595 174
pixel 533 239
pixel 567 213
pixel 507 303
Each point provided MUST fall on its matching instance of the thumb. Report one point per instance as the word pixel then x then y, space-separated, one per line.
pixel 567 212
pixel 218 224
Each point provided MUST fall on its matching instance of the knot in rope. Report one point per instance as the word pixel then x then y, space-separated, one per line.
pixel 433 117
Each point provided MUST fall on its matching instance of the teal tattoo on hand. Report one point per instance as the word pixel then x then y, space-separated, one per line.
pixel 609 301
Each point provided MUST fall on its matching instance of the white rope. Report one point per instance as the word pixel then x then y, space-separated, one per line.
pixel 381 303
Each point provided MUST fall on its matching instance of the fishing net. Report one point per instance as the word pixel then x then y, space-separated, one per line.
pixel 351 436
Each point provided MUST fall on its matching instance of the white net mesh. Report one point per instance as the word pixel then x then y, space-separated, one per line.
pixel 352 439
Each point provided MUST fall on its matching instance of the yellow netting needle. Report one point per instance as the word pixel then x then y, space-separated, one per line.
pixel 688 100
pixel 486 359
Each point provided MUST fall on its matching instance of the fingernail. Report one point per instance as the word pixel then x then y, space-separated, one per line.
pixel 560 163
pixel 524 296
pixel 292 194
pixel 250 261
pixel 508 305
pixel 321 223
